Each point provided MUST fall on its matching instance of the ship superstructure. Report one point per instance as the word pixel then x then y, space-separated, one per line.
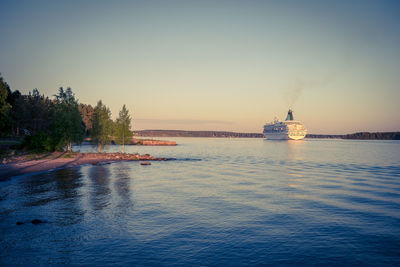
pixel 285 130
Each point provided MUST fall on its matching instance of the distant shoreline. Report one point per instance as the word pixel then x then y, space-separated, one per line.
pixel 225 134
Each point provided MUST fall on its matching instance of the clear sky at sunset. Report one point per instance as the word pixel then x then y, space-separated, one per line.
pixel 213 65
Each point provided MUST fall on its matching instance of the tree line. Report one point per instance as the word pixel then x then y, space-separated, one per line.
pixel 50 124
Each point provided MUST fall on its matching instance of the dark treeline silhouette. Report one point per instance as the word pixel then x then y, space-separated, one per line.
pixel 49 124
pixel 361 136
pixel 183 133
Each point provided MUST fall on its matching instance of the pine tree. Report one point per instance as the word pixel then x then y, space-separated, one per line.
pixel 101 126
pixel 68 126
pixel 123 131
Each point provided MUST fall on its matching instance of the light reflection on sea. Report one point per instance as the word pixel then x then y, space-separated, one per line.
pixel 222 202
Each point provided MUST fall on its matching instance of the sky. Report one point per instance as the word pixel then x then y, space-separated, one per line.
pixel 213 65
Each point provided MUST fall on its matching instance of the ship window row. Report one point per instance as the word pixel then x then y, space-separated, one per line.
pixel 271 130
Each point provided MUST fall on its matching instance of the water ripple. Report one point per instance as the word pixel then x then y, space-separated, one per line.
pixel 220 202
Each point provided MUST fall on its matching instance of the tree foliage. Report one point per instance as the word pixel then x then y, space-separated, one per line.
pixel 87 116
pixel 36 112
pixel 123 132
pixel 4 105
pixel 54 124
pixel 101 126
pixel 67 127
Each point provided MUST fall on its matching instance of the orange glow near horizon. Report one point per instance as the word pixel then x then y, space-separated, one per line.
pixel 213 65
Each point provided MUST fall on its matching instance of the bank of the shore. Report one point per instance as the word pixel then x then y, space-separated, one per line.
pixel 152 142
pixel 32 163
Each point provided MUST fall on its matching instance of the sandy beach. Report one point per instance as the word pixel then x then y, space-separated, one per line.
pixel 31 163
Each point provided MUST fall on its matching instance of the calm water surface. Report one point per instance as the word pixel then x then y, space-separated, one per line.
pixel 223 202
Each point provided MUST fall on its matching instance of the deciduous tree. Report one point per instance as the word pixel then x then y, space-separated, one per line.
pixel 87 115
pixel 101 126
pixel 123 132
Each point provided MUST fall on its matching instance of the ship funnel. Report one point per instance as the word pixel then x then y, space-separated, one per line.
pixel 289 116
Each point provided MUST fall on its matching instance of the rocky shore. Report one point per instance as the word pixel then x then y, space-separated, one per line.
pixel 151 142
pixel 31 163
pixel 182 133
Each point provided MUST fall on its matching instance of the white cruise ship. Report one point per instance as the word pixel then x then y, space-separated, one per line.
pixel 285 130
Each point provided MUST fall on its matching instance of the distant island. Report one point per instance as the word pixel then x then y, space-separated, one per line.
pixel 224 134
pixel 361 136
pixel 182 133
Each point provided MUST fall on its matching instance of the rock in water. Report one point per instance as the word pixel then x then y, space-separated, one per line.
pixel 37 221
pixel 19 223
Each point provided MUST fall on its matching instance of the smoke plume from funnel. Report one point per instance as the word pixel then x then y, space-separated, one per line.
pixel 293 92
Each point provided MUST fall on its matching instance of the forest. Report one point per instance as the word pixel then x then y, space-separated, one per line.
pixel 54 123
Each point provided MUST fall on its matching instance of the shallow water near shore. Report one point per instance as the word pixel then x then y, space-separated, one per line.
pixel 222 202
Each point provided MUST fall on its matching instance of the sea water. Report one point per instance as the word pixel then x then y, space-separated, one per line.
pixel 221 202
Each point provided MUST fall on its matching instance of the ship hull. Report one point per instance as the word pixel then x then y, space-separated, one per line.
pixel 276 136
pixel 282 136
